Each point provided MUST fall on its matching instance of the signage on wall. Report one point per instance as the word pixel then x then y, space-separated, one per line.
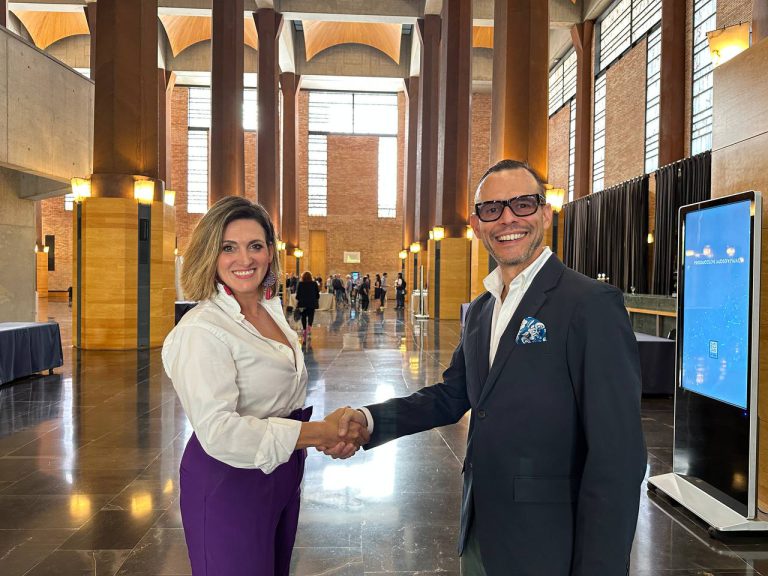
pixel 351 257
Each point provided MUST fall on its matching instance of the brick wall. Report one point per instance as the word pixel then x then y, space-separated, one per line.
pixel 559 148
pixel 58 222
pixel 625 117
pixel 352 223
pixel 480 149
pixel 731 12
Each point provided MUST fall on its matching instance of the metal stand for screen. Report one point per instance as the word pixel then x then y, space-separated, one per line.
pixel 718 509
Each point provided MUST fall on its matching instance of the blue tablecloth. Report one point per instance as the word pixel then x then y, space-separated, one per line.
pixel 27 348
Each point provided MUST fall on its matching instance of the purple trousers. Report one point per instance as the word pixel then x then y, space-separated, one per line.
pixel 237 521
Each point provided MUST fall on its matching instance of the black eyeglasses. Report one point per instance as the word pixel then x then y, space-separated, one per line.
pixel 521 206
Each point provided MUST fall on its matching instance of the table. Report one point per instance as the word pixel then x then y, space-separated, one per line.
pixel 657 363
pixel 327 301
pixel 27 348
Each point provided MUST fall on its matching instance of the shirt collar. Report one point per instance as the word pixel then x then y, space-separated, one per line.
pixel 227 302
pixel 494 282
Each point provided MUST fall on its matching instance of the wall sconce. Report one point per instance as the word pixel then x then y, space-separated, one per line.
pixel 725 43
pixel 438 233
pixel 37 248
pixel 470 233
pixel 555 198
pixel 431 234
pixel 403 254
pixel 415 248
pixel 46 249
pixel 81 188
pixel 298 253
pixel 144 191
pixel 650 237
pixel 280 245
pixel 169 197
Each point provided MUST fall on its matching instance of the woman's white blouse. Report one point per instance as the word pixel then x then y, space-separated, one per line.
pixel 236 386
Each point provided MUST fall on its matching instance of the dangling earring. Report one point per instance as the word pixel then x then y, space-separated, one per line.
pixel 268 283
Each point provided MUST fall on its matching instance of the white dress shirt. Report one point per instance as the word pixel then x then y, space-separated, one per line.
pixel 502 311
pixel 236 386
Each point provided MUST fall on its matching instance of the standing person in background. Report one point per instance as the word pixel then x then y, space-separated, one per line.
pixel 239 372
pixel 400 292
pixel 377 288
pixel 384 286
pixel 308 300
pixel 364 292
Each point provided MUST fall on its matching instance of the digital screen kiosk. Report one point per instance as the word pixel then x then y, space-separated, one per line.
pixel 715 445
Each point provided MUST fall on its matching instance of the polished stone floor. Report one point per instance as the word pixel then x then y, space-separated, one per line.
pixel 89 468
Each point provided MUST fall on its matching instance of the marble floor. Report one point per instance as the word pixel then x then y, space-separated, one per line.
pixel 89 468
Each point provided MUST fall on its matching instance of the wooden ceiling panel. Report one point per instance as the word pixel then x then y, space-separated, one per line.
pixel 184 31
pixel 45 28
pixel 320 35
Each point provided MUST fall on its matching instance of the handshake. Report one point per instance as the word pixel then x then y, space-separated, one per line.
pixel 341 433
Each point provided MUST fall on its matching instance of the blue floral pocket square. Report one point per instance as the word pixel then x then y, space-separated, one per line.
pixel 532 331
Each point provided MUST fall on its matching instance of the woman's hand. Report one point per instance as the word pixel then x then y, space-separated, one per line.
pixel 327 436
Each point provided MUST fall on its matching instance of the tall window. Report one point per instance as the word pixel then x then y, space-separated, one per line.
pixel 572 151
pixel 598 164
pixel 652 93
pixel 69 201
pixel 352 113
pixel 625 22
pixel 318 174
pixel 562 82
pixel 199 124
pixel 704 16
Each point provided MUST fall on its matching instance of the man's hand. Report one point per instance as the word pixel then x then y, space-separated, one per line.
pixel 352 430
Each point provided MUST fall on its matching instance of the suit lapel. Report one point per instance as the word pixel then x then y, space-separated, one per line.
pixel 532 301
pixel 484 338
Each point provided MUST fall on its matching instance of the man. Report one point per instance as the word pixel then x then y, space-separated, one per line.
pixel 384 286
pixel 548 364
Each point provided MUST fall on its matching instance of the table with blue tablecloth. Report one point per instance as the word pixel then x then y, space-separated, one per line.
pixel 27 348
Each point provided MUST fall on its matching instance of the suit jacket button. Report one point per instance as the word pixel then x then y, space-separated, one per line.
pixel 481 413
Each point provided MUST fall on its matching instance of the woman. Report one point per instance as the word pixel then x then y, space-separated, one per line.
pixel 377 288
pixel 239 373
pixel 308 300
pixel 400 291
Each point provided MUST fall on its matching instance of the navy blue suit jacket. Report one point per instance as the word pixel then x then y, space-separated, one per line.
pixel 555 452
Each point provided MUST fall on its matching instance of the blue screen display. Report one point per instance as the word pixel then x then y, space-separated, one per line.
pixel 716 310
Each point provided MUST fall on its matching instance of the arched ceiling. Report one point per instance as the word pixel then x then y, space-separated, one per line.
pixel 320 35
pixel 482 37
pixel 45 28
pixel 184 31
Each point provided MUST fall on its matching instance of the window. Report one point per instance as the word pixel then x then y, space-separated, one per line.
pixel 199 122
pixel 704 15
pixel 69 202
pixel 352 113
pixel 652 93
pixel 250 110
pixel 562 82
pixel 623 24
pixel 318 174
pixel 572 151
pixel 598 163
pixel 387 177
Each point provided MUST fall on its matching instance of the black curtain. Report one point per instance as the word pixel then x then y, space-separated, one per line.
pixel 606 232
pixel 685 182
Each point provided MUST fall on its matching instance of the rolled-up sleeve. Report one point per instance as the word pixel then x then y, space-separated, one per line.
pixel 203 373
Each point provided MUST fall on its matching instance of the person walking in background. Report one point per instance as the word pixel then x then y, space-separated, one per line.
pixel 308 300
pixel 383 294
pixel 400 292
pixel 239 372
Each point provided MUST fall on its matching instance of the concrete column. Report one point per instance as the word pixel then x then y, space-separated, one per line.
pixel 410 188
pixel 520 82
pixel 227 137
pixel 429 102
pixel 582 35
pixel 289 225
pixel 455 117
pixel 268 26
pixel 165 85
pixel 759 20
pixel 90 16
pixel 672 134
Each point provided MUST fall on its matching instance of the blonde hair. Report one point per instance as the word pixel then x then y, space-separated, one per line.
pixel 198 276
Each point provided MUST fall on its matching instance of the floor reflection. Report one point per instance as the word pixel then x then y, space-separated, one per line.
pixel 89 466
